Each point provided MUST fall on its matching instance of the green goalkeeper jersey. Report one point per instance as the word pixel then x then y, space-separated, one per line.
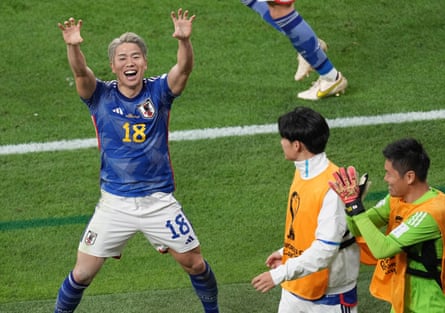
pixel 421 295
pixel 416 229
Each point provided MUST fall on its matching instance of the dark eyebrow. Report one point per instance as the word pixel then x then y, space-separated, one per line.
pixel 131 54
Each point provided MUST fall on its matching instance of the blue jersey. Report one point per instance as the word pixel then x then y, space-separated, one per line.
pixel 133 137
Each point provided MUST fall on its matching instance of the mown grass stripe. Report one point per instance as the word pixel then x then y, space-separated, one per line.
pixel 82 219
pixel 43 222
pixel 211 133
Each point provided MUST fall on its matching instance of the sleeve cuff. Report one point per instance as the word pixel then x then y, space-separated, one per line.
pixel 278 274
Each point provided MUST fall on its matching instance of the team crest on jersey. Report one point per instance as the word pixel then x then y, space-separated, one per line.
pixel 147 109
pixel 90 238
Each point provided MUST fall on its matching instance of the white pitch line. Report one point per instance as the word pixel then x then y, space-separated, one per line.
pixel 211 133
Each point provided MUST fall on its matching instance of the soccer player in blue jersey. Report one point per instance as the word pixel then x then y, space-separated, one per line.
pixel 303 68
pixel 281 14
pixel 131 117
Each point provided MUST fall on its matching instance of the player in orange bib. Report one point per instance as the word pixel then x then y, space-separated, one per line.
pixel 318 264
pixel 411 254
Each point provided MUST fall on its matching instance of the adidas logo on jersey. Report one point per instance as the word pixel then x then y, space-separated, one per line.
pixel 118 110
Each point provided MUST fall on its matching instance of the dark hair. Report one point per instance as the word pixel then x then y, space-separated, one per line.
pixel 408 155
pixel 305 125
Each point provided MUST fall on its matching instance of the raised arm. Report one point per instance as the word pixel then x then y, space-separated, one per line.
pixel 180 72
pixel 83 75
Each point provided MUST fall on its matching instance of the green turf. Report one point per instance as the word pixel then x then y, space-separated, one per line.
pixel 234 298
pixel 233 189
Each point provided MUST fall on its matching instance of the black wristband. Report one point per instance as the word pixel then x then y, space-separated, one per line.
pixel 355 207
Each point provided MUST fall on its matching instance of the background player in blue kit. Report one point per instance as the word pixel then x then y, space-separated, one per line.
pixel 131 117
pixel 304 68
pixel 281 14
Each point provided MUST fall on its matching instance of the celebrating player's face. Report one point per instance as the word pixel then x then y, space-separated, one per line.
pixel 129 65
pixel 397 185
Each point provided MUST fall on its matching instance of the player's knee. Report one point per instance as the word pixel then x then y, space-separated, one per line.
pixel 280 10
pixel 194 267
pixel 192 263
pixel 83 277
pixel 198 267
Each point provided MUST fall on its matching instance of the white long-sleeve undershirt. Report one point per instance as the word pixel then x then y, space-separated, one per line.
pixel 329 233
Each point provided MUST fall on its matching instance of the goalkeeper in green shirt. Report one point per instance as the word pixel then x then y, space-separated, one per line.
pixel 410 255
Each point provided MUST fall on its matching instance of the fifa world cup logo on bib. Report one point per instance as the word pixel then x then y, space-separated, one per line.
pixel 294 204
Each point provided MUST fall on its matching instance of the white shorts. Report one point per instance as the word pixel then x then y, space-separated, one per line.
pixel 289 303
pixel 116 219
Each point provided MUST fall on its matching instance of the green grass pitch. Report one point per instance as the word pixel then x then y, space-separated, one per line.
pixel 234 189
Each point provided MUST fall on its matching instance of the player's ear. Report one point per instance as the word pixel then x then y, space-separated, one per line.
pixel 112 68
pixel 299 146
pixel 410 177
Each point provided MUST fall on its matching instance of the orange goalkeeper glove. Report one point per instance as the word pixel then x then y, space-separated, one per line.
pixel 350 191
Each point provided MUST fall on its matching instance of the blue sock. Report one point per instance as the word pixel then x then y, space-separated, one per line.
pixel 305 41
pixel 263 10
pixel 69 296
pixel 206 289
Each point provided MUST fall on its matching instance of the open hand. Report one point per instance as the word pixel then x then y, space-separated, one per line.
pixel 274 260
pixel 350 190
pixel 71 31
pixel 263 282
pixel 346 184
pixel 183 24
